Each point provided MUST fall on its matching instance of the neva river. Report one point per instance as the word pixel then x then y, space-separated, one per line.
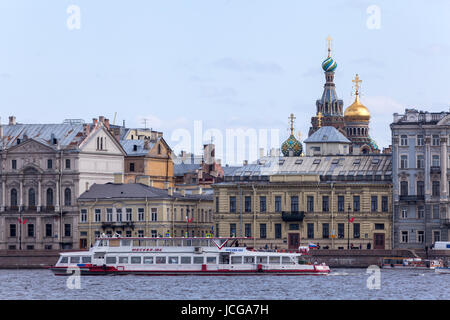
pixel 340 284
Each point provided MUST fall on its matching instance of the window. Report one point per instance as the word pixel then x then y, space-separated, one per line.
pixel 123 260
pixel 67 163
pixel 131 166
pixel 341 230
pixel 186 260
pixel 173 260
pixel 294 226
pixel 325 230
pixel 420 236
pixel 341 206
pixel 13 198
pixel 49 197
pixel 356 203
pixel 49 164
pixel 278 204
pixel 67 197
pixel 310 203
pixel 384 203
pixel 198 260
pixel 310 230
pixel 404 213
pixel 262 204
pixel 129 214
pixel 435 140
pixel 48 230
pixel 404 237
pixel 435 188
pixel 248 204
pixel 325 204
pixel 420 161
pixel 119 215
pixel 294 204
pixel 67 230
pixel 98 215
pixel 403 140
pixel 109 215
pixel 420 188
pixel 356 230
pixel 379 226
pixel 83 215
pixel 436 211
pixel 435 161
pixel 248 230
pixel 137 260
pixel 30 228
pixel 141 215
pixel 403 162
pixel 31 197
pixel 374 203
pixel 420 140
pixel 436 236
pixel 232 230
pixel 420 212
pixel 12 230
pixel 154 214
pixel 262 231
pixel 277 231
pixel 404 188
pixel 232 204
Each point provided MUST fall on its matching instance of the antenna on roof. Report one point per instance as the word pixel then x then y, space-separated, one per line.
pixel 114 121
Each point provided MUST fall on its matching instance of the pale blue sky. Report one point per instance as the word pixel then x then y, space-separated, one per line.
pixel 229 63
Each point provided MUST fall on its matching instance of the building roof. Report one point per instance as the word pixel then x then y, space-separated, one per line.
pixel 134 191
pixel 136 147
pixel 339 168
pixel 327 135
pixel 183 168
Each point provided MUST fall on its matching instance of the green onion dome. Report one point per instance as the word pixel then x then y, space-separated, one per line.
pixel 291 147
pixel 329 65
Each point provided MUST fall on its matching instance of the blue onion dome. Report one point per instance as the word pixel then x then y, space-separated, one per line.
pixel 373 144
pixel 292 147
pixel 329 65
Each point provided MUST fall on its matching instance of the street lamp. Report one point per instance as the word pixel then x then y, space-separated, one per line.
pixel 348 227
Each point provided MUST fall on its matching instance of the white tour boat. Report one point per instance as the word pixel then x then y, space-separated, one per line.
pixel 182 256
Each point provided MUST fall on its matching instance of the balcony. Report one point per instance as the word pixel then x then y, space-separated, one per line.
pixel 446 222
pixel 435 169
pixel 118 224
pixel 412 198
pixel 290 216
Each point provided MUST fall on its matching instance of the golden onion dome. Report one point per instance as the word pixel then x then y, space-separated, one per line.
pixel 357 111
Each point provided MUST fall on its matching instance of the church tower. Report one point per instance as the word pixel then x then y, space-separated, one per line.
pixel 329 106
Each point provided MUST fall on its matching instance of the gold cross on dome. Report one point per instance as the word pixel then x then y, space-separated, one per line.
pixel 329 45
pixel 319 119
pixel 357 82
pixel 292 118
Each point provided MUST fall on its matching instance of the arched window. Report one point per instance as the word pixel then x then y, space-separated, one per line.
pixel 67 197
pixel 13 198
pixel 31 198
pixel 359 131
pixel 49 197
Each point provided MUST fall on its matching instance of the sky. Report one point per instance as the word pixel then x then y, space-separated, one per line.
pixel 193 68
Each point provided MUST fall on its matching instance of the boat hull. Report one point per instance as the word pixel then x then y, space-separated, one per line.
pixel 442 270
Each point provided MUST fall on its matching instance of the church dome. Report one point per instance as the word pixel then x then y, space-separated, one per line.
pixel 329 65
pixel 291 147
pixel 357 111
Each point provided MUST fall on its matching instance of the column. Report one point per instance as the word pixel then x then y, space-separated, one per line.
pixel 444 157
pixel 3 205
pixel 21 195
pixel 57 196
pixel 39 194
pixel 427 168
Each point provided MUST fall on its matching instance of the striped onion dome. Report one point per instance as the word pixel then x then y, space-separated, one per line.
pixel 292 147
pixel 329 65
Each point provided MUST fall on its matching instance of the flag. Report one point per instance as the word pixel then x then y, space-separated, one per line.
pixel 312 245
pixel 351 220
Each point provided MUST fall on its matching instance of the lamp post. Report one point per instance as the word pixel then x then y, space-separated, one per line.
pixel 348 227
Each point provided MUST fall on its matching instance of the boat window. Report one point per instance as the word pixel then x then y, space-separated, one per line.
pixel 63 260
pixel 111 260
pixel 211 260
pixel 248 259
pixel 148 260
pixel 236 260
pixel 125 242
pixel 114 242
pixel 177 242
pixel 204 242
pixel 196 242
pixel 74 259
pixel 138 243
pixel 261 259
pixel 224 259
pixel 160 260
pixel 173 260
pixel 188 243
pixel 198 260
pixel 186 260
pixel 150 242
pixel 168 243
pixel 287 260
pixel 274 260
pixel 136 260
pixel 123 260
pixel 86 259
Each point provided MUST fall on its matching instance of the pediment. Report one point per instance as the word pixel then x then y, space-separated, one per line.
pixel 444 121
pixel 31 146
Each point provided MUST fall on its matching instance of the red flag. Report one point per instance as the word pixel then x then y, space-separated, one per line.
pixel 192 219
pixel 24 221
pixel 20 220
pixel 351 220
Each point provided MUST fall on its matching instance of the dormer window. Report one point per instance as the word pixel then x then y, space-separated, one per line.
pixel 135 147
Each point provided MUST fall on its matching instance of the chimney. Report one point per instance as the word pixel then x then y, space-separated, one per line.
pixel 261 153
pixel 107 123
pixel 146 144
pixel 145 180
pixel 245 162
pixel 101 119
pixel 118 177
pixel 94 122
pixel 170 191
pixel 12 120
pixel 86 129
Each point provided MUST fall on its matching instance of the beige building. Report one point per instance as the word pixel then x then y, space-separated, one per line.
pixel 44 168
pixel 292 201
pixel 138 210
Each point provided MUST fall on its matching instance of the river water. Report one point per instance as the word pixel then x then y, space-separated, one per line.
pixel 341 284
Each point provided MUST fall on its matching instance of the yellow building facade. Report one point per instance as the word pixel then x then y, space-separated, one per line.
pixel 137 210
pixel 335 202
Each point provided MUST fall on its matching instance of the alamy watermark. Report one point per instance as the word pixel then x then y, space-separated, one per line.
pixel 74 19
pixel 74 280
pixel 374 280
pixel 374 18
